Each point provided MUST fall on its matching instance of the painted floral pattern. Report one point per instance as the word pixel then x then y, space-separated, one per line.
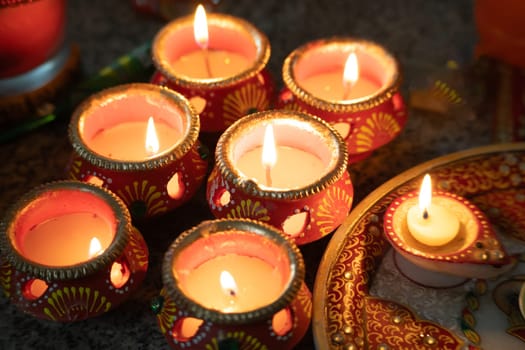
pixel 145 192
pixel 249 98
pixel 75 303
pixel 378 129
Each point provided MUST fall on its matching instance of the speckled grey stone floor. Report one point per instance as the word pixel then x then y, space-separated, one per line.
pixel 423 34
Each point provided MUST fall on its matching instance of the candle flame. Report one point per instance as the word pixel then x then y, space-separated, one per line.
pixel 152 141
pixel 351 71
pixel 228 283
pixel 200 27
pixel 425 195
pixel 269 152
pixel 95 248
pixel 350 74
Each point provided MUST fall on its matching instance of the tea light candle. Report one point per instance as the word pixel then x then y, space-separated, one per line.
pixel 72 235
pixel 206 63
pixel 156 138
pixel 431 224
pixel 218 62
pixel 140 141
pixel 277 166
pixel 217 274
pixel 134 125
pixel 66 241
pixel 284 167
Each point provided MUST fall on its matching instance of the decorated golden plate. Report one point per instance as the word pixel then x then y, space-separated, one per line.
pixel 362 300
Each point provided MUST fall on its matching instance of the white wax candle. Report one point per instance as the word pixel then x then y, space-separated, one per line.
pixel 257 283
pixel 431 224
pixel 126 141
pixel 329 86
pixel 65 240
pixel 438 228
pixel 294 167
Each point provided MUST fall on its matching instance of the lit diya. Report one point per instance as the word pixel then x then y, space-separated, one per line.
pixel 443 233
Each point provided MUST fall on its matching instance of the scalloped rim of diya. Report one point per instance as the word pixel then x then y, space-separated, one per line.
pixel 224 22
pixel 189 136
pixel 41 194
pixel 475 231
pixel 248 226
pixel 309 124
pixel 344 45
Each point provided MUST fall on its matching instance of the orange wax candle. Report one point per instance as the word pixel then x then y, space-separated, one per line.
pixel 221 63
pixel 255 283
pixel 126 141
pixel 65 240
pixel 294 168
pixel 329 86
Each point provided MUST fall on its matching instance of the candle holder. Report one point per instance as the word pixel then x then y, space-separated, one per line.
pixel 268 306
pixel 150 185
pixel 218 100
pixel 36 62
pixel 366 122
pixel 307 211
pixel 475 252
pixel 69 252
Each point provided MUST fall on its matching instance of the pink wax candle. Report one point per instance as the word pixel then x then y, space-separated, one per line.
pixel 140 141
pixel 353 84
pixel 71 252
pixel 118 127
pixel 218 62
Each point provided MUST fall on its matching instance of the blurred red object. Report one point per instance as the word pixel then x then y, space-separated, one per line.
pixel 30 33
pixel 501 30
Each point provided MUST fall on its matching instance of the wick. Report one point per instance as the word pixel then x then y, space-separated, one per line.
pixel 268 176
pixel 425 214
pixel 232 293
pixel 207 62
pixel 346 90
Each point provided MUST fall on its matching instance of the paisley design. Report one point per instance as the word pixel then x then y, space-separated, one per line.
pixel 245 341
pixel 333 209
pixel 403 330
pixel 249 209
pixel 508 208
pixel 249 98
pixel 75 303
pixel 6 275
pixel 145 193
pixel 166 317
pixel 305 299
pixel 377 130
